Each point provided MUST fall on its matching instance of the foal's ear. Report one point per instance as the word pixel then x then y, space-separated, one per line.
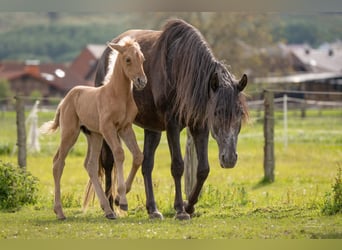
pixel 214 81
pixel 115 46
pixel 242 83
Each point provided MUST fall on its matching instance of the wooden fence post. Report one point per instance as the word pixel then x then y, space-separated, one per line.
pixel 190 164
pixel 269 161
pixel 21 131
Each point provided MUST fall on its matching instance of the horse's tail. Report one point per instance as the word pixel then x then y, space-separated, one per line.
pixel 51 126
pixel 89 195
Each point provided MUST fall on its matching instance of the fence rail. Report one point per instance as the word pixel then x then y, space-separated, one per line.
pixel 269 104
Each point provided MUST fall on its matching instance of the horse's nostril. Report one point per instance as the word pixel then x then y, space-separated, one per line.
pixel 228 161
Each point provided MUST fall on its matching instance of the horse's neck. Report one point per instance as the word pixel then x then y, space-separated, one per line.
pixel 119 83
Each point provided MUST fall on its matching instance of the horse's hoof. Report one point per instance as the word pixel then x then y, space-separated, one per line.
pixel 156 215
pixel 61 218
pixel 188 209
pixel 124 207
pixel 111 216
pixel 182 216
pixel 117 201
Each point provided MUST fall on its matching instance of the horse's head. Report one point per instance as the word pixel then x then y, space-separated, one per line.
pixel 226 111
pixel 131 59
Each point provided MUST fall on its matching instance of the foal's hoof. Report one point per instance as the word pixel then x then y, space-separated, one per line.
pixel 182 216
pixel 124 207
pixel 111 216
pixel 156 215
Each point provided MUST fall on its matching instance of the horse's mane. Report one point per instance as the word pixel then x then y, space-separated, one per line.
pixel 187 64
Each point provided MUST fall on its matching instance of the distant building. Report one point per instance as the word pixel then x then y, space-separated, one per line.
pixel 85 63
pixel 326 58
pixel 317 70
pixel 51 80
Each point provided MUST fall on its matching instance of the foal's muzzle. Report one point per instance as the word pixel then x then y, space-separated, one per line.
pixel 140 82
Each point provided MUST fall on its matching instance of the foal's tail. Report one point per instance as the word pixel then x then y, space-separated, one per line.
pixel 51 126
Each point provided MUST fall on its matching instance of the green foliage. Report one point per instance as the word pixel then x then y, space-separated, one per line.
pixel 5 90
pixel 333 200
pixel 57 43
pixel 17 187
pixel 312 29
pixel 5 149
pixel 36 95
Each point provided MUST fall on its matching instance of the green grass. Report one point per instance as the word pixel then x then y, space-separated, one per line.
pixel 234 204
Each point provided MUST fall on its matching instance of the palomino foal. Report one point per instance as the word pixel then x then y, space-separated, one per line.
pixel 104 113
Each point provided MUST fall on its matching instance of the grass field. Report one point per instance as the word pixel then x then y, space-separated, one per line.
pixel 234 204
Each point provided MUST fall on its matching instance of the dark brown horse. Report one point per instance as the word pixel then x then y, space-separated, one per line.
pixel 187 86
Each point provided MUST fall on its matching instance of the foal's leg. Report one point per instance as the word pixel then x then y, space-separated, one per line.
pixel 92 165
pixel 68 139
pixel 113 141
pixel 128 136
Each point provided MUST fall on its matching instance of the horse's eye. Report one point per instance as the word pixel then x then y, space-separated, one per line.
pixel 128 60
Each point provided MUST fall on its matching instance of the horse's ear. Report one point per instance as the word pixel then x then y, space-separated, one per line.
pixel 214 81
pixel 115 46
pixel 242 83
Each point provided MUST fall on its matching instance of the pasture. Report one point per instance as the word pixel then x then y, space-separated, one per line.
pixel 234 203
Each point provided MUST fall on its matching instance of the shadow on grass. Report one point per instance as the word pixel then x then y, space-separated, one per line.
pixel 331 235
pixel 262 183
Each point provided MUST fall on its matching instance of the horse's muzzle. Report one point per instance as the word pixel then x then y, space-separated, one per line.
pixel 140 82
pixel 228 161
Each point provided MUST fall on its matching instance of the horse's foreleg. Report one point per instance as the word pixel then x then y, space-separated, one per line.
pixel 177 168
pixel 92 166
pixel 130 140
pixel 113 142
pixel 201 144
pixel 151 141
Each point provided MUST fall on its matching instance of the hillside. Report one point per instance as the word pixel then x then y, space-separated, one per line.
pixel 59 37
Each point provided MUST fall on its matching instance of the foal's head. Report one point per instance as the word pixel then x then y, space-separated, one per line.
pixel 226 111
pixel 131 59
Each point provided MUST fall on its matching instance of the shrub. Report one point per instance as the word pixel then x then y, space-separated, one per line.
pixel 5 149
pixel 333 200
pixel 18 187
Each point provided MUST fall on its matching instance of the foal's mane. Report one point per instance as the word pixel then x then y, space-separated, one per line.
pixel 126 41
pixel 187 65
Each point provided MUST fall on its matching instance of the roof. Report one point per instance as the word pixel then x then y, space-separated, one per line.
pixel 57 75
pixel 324 59
pixel 96 49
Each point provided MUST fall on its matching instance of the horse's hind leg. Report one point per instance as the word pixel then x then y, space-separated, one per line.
pixel 68 139
pixel 92 165
pixel 107 162
pixel 130 140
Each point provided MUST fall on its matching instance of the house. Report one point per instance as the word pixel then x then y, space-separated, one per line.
pixel 51 80
pixel 326 58
pixel 318 70
pixel 85 64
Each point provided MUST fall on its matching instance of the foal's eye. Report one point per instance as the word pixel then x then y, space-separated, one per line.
pixel 128 60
